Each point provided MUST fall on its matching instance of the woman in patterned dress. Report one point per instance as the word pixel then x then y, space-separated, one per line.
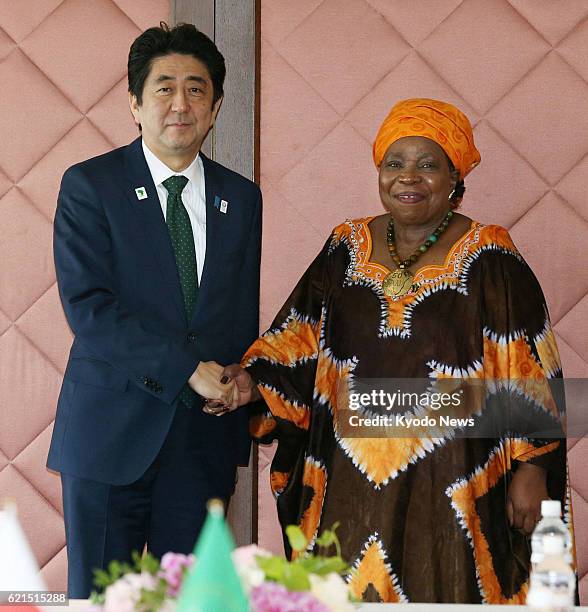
pixel 420 293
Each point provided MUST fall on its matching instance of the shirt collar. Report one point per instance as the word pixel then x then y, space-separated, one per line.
pixel 160 172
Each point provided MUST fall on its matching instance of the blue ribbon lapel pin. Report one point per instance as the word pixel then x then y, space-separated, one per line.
pixel 221 205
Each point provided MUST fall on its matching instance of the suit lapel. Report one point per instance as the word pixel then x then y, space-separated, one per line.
pixel 213 186
pixel 151 218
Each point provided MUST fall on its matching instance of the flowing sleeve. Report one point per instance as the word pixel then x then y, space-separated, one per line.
pixel 283 363
pixel 522 366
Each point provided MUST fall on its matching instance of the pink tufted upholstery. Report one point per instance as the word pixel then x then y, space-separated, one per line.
pixel 331 70
pixel 63 63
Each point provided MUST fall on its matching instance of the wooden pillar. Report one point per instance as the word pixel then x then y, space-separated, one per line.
pixel 234 26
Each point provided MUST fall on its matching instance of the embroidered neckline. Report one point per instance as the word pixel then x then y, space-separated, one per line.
pixel 424 275
pixel 396 312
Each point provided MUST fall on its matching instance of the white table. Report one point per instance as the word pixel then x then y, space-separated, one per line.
pixel 79 605
pixel 435 607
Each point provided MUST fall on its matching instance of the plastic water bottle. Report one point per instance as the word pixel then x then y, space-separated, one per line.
pixel 550 524
pixel 553 583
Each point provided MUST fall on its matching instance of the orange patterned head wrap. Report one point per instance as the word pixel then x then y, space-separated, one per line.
pixel 439 121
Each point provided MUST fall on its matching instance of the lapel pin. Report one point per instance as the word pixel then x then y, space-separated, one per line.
pixel 141 193
pixel 221 205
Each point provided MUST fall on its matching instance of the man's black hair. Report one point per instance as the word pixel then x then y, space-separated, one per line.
pixel 183 38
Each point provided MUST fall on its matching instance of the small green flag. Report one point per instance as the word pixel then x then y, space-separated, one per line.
pixel 213 584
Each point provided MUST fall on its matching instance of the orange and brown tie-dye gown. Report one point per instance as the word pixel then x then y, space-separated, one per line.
pixel 421 519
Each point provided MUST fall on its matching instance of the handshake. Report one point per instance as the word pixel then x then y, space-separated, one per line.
pixel 224 389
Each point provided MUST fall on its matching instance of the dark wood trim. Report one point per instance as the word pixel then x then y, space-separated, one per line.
pixel 235 129
pixel 257 107
pixel 234 142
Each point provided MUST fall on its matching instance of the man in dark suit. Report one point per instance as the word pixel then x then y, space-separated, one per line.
pixel 157 253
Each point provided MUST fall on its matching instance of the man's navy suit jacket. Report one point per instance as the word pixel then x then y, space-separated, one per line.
pixel 133 348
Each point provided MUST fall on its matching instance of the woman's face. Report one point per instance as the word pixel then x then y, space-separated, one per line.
pixel 415 181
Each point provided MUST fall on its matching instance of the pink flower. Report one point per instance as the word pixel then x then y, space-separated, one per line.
pixel 244 559
pixel 273 597
pixel 124 594
pixel 173 567
pixel 244 556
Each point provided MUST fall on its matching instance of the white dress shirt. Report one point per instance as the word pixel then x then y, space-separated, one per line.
pixel 193 197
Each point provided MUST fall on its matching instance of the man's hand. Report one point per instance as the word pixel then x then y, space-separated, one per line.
pixel 246 391
pixel 525 493
pixel 206 381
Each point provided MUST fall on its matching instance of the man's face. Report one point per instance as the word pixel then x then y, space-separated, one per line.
pixel 177 110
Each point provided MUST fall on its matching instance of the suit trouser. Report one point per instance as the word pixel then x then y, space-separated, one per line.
pixel 164 509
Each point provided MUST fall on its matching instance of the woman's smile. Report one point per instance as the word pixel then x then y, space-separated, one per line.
pixel 410 197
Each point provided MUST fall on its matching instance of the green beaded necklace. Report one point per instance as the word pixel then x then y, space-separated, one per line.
pixel 399 282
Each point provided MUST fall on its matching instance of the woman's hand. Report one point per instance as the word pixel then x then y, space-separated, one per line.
pixel 245 391
pixel 206 381
pixel 527 489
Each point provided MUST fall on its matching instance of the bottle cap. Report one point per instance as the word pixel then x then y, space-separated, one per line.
pixel 8 505
pixel 551 508
pixel 552 545
pixel 215 506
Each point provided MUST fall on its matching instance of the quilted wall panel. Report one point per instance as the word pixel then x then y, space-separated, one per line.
pixel 65 61
pixel 330 71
